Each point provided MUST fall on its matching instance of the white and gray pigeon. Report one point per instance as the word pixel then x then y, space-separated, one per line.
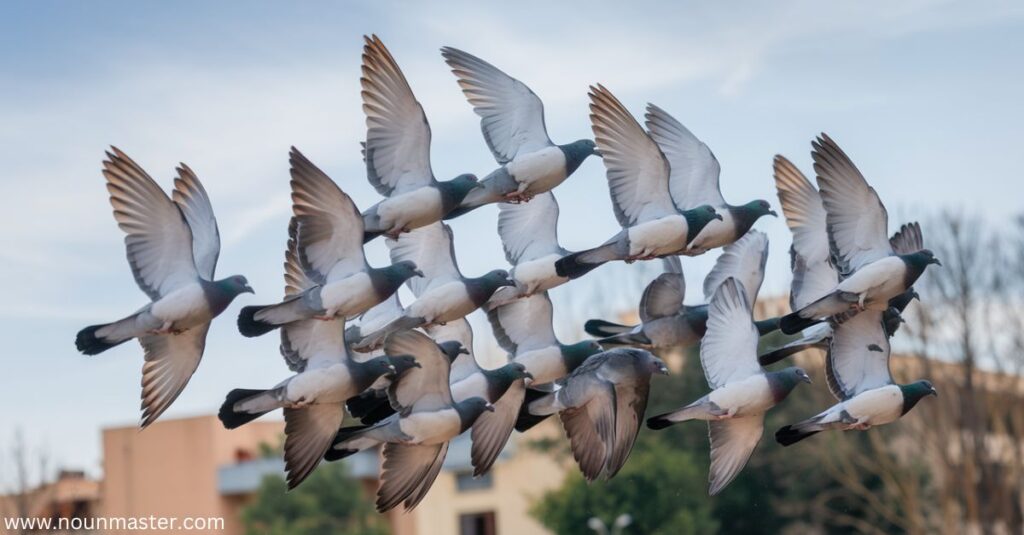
pixel 329 246
pixel 397 152
pixel 665 322
pixel 857 370
pixel 638 180
pixel 443 294
pixel 172 246
pixel 504 387
pixel 871 272
pixel 742 391
pixel 416 437
pixel 512 121
pixel 314 398
pixel 529 236
pixel 525 329
pixel 695 182
pixel 814 276
pixel 601 405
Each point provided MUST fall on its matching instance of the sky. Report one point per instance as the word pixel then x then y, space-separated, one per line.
pixel 925 97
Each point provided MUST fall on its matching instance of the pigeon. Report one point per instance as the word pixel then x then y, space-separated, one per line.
pixel 813 273
pixel 172 246
pixel 666 322
pixel 601 405
pixel 416 437
pixel 330 250
pixel 442 294
pixel 638 179
pixel 503 387
pixel 397 152
pixel 857 372
pixel 529 235
pixel 871 272
pixel 525 329
pixel 313 399
pixel 742 391
pixel 695 182
pixel 512 121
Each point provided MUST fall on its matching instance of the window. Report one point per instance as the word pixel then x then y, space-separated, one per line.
pixel 477 524
pixel 465 482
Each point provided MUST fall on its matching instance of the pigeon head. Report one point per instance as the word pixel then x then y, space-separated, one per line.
pixel 471 409
pixel 744 216
pixel 376 367
pixel 698 218
pixel 916 263
pixel 576 152
pixel 891 320
pixel 500 379
pixel 465 183
pixel 575 354
pixel 402 364
pixel 452 349
pixel 913 392
pixel 656 365
pixel 405 270
pixel 784 381
pixel 235 285
pixel 221 293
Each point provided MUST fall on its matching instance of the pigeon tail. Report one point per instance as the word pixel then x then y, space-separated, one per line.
pixel 602 328
pixel 233 417
pixel 369 236
pixel 626 339
pixel 88 343
pixel 776 355
pixel 369 407
pixel 251 327
pixel 526 420
pixel 371 225
pixel 335 453
pixel 702 409
pixel 576 265
pixel 792 323
pixel 791 434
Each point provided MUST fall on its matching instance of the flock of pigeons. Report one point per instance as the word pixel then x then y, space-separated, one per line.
pixel 408 373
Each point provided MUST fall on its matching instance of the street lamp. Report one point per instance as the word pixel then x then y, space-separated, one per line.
pixel 620 523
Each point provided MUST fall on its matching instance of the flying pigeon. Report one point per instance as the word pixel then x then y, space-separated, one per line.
pixel 529 235
pixel 742 391
pixel 666 322
pixel 442 294
pixel 504 387
pixel 512 121
pixel 329 247
pixel 638 179
pixel 695 182
pixel 172 246
pixel 601 405
pixel 813 273
pixel 857 370
pixel 416 438
pixel 871 272
pixel 397 152
pixel 313 399
pixel 525 329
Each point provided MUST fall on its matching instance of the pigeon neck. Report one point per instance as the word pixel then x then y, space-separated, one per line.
pixel 386 280
pixel 480 289
pixel 218 294
pixel 499 380
pixel 743 218
pixel 781 383
pixel 915 268
pixel 574 154
pixel 573 355
pixel 452 195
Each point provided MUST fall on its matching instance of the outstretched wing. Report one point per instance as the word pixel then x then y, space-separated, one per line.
pixel 524 324
pixel 728 351
pixel 695 170
pixel 908 239
pixel 529 230
pixel 194 203
pixel 512 117
pixel 432 249
pixel 424 388
pixel 858 356
pixel 744 260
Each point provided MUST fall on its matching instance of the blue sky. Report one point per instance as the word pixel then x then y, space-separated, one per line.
pixel 924 96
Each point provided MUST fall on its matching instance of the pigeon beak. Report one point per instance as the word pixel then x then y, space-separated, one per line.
pixel 249 289
pixel 391 369
pixel 489 407
pixel 934 392
pixel 719 217
pixel 416 364
pixel 418 273
pixel 915 295
pixel 528 376
pixel 463 350
pixel 597 152
pixel 936 262
pixel 662 369
pixel 773 212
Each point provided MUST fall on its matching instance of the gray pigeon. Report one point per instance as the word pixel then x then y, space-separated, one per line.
pixel 638 179
pixel 397 152
pixel 416 438
pixel 601 405
pixel 314 398
pixel 813 273
pixel 525 329
pixel 330 249
pixel 695 182
pixel 871 272
pixel 504 387
pixel 742 391
pixel 666 322
pixel 857 370
pixel 529 235
pixel 512 121
pixel 172 248
pixel 442 294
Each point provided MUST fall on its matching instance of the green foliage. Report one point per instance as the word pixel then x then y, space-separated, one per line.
pixel 329 501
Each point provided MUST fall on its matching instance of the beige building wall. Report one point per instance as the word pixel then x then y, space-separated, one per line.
pixel 170 470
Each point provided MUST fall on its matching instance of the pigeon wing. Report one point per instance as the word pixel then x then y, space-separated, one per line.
pixel 728 351
pixel 908 239
pixel 529 230
pixel 492 429
pixel 744 260
pixel 524 324
pixel 170 361
pixel 732 442
pixel 194 203
pixel 663 297
pixel 694 178
pixel 511 116
pixel 637 171
pixel 407 473
pixel 432 249
pixel 858 356
pixel 424 388
pixel 459 331
pixel 813 274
